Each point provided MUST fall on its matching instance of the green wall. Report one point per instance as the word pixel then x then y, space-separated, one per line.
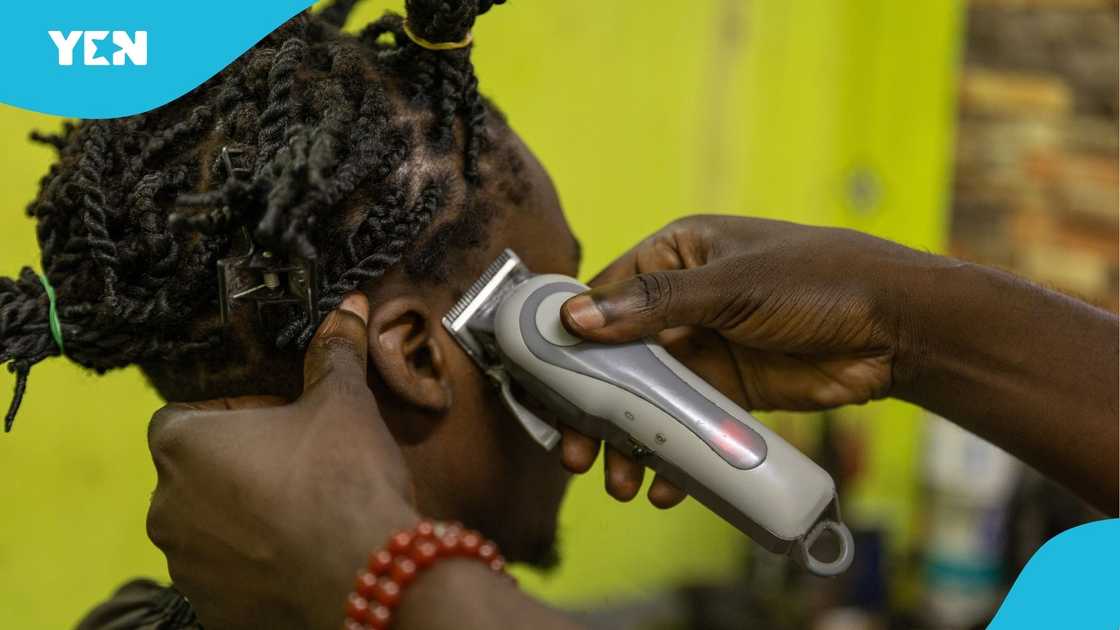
pixel 818 111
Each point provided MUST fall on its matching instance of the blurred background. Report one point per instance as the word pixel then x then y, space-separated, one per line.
pixel 984 129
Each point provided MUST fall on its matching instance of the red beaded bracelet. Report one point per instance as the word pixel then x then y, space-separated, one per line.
pixel 378 588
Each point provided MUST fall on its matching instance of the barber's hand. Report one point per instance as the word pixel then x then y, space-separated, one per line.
pixel 266 510
pixel 776 315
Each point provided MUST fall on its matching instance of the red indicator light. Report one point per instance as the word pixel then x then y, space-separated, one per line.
pixel 734 440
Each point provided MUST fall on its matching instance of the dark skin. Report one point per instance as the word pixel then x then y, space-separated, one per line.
pixel 469 458
pixel 778 315
pixel 804 318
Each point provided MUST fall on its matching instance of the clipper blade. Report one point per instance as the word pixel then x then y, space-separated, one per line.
pixel 474 312
pixel 471 323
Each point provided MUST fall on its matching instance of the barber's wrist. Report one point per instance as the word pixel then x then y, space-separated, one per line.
pixel 929 291
pixel 454 593
pixel 372 526
pixel 397 568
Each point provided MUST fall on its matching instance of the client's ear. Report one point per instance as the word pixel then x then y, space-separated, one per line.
pixel 405 352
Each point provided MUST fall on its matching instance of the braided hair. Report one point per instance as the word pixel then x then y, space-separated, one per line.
pixel 328 126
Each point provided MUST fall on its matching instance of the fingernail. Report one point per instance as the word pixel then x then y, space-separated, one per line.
pixel 357 304
pixel 584 313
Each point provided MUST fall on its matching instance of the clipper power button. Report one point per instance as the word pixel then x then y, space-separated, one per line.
pixel 548 320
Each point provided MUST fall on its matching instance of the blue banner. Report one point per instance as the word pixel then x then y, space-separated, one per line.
pixel 83 59
pixel 1071 582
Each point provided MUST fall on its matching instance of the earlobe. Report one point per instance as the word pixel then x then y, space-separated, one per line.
pixel 407 354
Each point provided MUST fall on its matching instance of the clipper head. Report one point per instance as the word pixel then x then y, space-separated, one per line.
pixel 471 323
pixel 471 320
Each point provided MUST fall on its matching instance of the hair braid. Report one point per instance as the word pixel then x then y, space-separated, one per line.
pixel 325 125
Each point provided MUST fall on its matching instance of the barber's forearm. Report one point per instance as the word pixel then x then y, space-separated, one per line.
pixel 1029 369
pixel 464 595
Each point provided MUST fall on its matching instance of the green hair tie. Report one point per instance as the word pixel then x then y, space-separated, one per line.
pixel 56 327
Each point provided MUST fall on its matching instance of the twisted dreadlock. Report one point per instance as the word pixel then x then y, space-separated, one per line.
pixel 135 213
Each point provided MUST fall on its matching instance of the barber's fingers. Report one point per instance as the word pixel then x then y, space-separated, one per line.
pixel 657 253
pixel 664 494
pixel 645 304
pixel 624 480
pixel 577 451
pixel 338 352
pixel 621 268
pixel 171 428
pixel 178 427
pixel 623 475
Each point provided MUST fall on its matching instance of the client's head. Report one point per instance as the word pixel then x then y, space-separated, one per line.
pixel 372 156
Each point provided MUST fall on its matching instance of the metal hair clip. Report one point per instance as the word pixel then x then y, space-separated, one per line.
pixel 229 154
pixel 264 279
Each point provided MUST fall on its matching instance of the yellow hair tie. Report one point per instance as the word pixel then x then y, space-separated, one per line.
pixel 423 43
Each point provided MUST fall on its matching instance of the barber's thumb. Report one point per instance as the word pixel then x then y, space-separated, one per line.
pixel 637 307
pixel 339 348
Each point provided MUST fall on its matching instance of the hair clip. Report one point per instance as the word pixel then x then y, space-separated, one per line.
pixel 265 279
pixel 238 170
pixel 261 278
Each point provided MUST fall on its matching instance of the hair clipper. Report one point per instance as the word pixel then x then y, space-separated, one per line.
pixel 647 404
